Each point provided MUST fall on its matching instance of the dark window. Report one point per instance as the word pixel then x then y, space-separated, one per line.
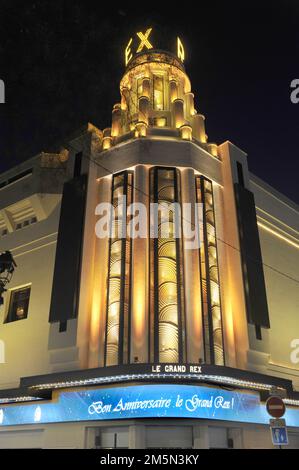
pixel 62 326
pixel 18 305
pixel 241 180
pixel 78 164
pixel 258 332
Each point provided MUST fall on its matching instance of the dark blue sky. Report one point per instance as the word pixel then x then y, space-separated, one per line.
pixel 61 61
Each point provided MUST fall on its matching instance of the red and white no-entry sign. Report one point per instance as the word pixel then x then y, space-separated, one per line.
pixel 275 407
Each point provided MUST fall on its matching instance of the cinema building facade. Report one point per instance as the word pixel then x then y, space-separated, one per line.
pixel 143 342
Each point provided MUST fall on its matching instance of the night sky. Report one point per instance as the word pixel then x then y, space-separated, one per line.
pixel 61 61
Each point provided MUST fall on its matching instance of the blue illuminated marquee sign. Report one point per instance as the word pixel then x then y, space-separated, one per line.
pixel 145 401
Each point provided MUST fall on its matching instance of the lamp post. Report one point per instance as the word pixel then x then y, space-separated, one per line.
pixel 7 267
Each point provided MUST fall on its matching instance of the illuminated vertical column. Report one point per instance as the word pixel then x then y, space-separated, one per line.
pixel 99 300
pixel 107 139
pixel 189 100
pixel 178 113
pixel 140 271
pixel 167 294
pixel 118 304
pixel 116 121
pixel 193 305
pixel 212 315
pixel 225 276
pixel 199 130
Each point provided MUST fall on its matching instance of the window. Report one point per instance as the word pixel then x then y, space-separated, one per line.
pixel 158 93
pixel 78 164
pixel 62 326
pixel 240 174
pixel 258 333
pixel 118 295
pixel 18 305
pixel 167 319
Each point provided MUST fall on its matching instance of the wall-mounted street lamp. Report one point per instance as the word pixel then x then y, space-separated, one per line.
pixel 7 267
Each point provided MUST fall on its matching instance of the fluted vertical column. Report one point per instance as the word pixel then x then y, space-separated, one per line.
pixel 226 298
pixel 189 99
pixel 107 139
pixel 178 113
pixel 193 311
pixel 213 149
pixel 140 274
pixel 116 121
pixel 99 301
pixel 199 131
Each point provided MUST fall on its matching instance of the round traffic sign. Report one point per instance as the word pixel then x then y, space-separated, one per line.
pixel 275 407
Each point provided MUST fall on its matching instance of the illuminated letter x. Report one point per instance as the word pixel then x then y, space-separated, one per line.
pixel 144 40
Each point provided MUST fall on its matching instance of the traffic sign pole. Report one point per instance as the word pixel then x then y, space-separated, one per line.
pixel 276 408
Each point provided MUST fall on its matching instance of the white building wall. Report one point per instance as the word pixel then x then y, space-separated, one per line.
pixel 175 434
pixel 26 341
pixel 278 220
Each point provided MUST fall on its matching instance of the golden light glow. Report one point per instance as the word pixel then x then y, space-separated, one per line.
pixel 186 132
pixel 139 310
pixel 178 109
pixel 128 52
pixel 158 81
pixel 173 90
pixel 141 129
pixel 116 120
pixel 199 131
pixel 278 235
pixel 167 275
pixel 177 75
pixel 107 143
pixel 212 316
pixel 229 329
pixel 144 38
pixel 119 276
pixel 94 327
pixel 213 149
pixel 160 122
pixel 181 50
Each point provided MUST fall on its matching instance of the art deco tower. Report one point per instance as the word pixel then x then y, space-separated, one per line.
pixel 154 299
pixel 171 298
